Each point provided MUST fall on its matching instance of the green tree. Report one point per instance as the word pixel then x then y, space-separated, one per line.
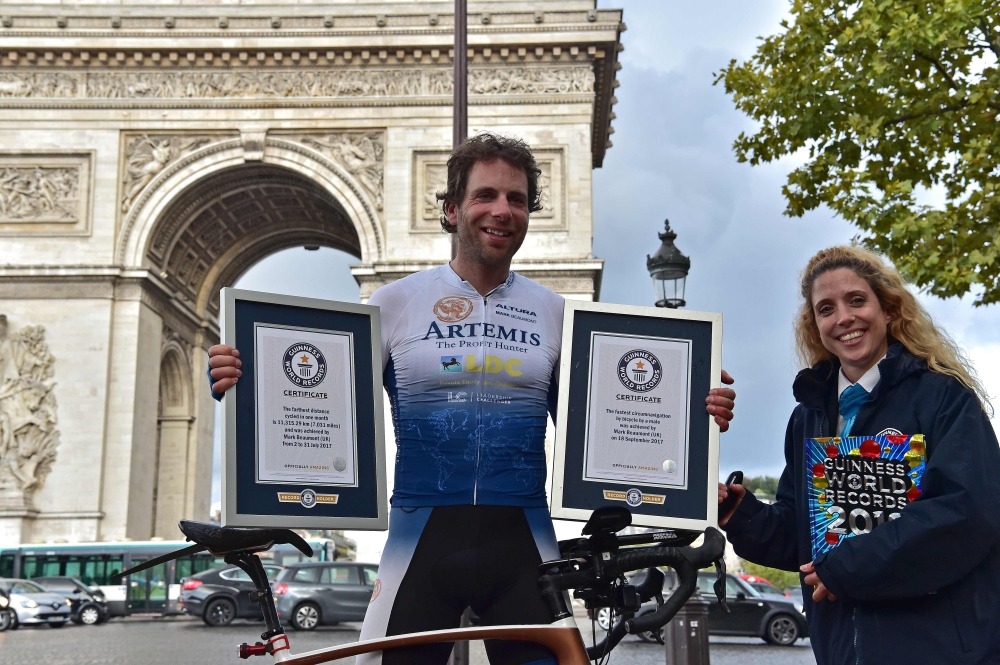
pixel 767 485
pixel 888 98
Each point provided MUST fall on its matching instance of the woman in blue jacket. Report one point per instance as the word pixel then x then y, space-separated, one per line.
pixel 924 587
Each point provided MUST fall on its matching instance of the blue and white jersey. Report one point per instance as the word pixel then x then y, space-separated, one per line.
pixel 471 380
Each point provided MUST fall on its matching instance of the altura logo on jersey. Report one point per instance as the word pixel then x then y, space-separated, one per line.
pixel 467 330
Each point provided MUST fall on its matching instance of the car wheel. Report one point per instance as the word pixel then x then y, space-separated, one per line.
pixel 59 624
pixel 89 615
pixel 604 618
pixel 5 620
pixel 305 617
pixel 650 636
pixel 782 630
pixel 220 612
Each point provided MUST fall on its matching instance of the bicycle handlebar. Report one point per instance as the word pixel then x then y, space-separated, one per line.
pixel 685 560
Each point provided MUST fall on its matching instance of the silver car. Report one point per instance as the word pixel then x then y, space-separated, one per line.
pixel 311 594
pixel 33 605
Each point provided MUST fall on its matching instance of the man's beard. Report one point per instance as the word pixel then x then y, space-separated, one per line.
pixel 471 241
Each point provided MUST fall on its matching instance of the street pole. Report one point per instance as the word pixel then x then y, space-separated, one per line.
pixel 460 99
pixel 460 122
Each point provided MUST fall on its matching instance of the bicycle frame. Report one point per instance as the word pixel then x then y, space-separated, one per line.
pixel 594 568
pixel 562 638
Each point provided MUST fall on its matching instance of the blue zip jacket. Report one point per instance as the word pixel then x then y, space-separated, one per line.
pixel 924 588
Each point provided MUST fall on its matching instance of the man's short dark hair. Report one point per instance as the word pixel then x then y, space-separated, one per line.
pixel 487 147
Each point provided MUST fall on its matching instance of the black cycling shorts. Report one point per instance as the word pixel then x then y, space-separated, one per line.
pixel 439 561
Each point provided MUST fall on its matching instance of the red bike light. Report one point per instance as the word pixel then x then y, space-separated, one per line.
pixel 281 588
pixel 191 585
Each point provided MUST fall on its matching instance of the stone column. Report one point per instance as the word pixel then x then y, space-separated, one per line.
pixel 130 448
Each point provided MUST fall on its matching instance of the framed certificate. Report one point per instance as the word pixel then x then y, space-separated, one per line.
pixel 304 445
pixel 631 425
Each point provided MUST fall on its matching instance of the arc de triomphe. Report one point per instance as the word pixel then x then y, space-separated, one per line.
pixel 151 153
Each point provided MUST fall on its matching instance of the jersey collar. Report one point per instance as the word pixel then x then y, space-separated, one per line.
pixel 452 278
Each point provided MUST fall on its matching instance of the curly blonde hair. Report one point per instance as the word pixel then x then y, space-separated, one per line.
pixel 909 322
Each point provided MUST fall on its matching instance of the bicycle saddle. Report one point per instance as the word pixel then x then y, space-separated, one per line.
pixel 222 540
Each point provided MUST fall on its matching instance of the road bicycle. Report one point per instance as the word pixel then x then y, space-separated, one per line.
pixel 592 567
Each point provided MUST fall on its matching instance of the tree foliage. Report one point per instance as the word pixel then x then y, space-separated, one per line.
pixel 767 485
pixel 888 98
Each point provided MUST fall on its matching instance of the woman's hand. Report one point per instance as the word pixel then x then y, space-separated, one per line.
pixel 720 402
pixel 739 491
pixel 820 592
pixel 225 363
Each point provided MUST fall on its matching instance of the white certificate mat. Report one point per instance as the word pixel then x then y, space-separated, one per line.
pixel 638 404
pixel 306 432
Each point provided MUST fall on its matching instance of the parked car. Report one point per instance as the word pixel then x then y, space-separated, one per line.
pixel 6 613
pixel 763 586
pixel 310 594
pixel 222 594
pixel 87 605
pixel 774 618
pixel 33 605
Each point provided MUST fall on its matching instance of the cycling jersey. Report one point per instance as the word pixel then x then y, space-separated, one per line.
pixel 470 379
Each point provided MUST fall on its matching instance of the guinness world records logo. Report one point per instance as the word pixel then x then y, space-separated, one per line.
pixel 304 365
pixel 640 371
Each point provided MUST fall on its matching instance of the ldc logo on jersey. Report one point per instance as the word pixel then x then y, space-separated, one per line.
pixel 305 365
pixel 639 371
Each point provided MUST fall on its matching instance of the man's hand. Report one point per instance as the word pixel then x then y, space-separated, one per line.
pixel 225 363
pixel 719 403
pixel 739 491
pixel 820 592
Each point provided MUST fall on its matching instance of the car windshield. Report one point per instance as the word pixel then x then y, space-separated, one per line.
pixel 23 586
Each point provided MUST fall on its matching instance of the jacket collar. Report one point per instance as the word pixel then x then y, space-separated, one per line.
pixel 812 386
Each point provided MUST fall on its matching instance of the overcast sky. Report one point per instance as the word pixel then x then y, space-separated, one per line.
pixel 672 158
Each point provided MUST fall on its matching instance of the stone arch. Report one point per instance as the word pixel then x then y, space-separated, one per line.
pixel 175 440
pixel 334 211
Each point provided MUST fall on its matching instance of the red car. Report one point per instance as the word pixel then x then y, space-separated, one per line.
pixel 764 586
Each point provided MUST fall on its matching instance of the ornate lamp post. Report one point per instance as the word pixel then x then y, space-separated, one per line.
pixel 669 270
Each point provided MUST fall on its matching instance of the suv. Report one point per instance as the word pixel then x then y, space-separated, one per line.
pixel 309 594
pixel 220 595
pixel 33 605
pixel 772 617
pixel 87 606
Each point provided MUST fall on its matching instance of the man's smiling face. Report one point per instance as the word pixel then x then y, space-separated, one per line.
pixel 492 219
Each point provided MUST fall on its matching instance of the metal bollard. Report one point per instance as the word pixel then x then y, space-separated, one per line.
pixel 686 636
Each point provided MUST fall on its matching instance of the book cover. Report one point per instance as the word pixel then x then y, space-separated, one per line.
pixel 857 483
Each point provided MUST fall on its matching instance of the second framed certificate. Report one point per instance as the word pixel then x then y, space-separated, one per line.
pixel 631 424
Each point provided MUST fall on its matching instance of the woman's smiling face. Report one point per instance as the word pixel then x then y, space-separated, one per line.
pixel 852 324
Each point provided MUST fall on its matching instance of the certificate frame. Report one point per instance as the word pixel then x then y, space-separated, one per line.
pixel 248 500
pixel 690 505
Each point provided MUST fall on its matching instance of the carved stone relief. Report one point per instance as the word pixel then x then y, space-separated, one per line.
pixel 28 435
pixel 362 154
pixel 310 83
pixel 45 193
pixel 146 155
pixel 430 174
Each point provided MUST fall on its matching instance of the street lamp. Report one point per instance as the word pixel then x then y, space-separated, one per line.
pixel 669 270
